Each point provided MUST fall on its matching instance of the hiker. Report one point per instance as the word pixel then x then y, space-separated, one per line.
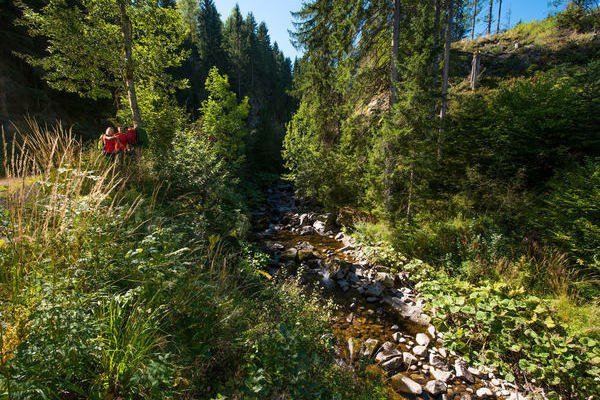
pixel 137 139
pixel 109 140
pixel 123 143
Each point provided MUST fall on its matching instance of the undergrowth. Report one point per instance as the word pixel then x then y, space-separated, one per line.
pixel 522 318
pixel 114 286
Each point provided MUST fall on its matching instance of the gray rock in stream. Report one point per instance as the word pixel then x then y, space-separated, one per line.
pixel 375 290
pixel 435 388
pixel 462 371
pixel 305 220
pixel 420 351
pixel 412 313
pixel 387 352
pixel 404 384
pixel 368 348
pixel 385 279
pixel 321 228
pixel 484 393
pixel 393 364
pixel 422 339
pixel 353 344
pixel 440 375
pixel 438 362
pixel 409 359
pixel 307 230
pixel 289 254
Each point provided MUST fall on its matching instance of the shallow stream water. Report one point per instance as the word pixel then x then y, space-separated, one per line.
pixel 355 318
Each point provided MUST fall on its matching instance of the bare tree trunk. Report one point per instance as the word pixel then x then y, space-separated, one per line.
pixel 475 67
pixel 409 205
pixel 489 21
pixel 128 59
pixel 395 50
pixel 449 10
pixel 474 19
pixel 436 57
pixel 499 16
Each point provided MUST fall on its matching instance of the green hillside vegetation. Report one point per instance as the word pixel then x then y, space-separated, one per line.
pixel 498 200
pixel 137 277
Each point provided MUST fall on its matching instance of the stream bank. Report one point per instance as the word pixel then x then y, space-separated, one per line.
pixel 379 317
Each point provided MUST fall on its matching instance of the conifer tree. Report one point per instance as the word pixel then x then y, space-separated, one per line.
pixel 236 46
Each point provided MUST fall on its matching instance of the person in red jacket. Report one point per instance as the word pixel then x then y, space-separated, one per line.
pixel 109 139
pixel 122 140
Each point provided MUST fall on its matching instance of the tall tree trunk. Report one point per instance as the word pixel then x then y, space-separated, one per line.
pixel 475 64
pixel 128 60
pixel 448 33
pixel 474 19
pixel 395 51
pixel 499 16
pixel 411 183
pixel 389 148
pixel 489 27
pixel 435 65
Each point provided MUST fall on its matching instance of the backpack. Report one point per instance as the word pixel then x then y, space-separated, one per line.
pixel 131 136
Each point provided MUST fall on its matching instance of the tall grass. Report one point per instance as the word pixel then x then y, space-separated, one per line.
pixel 54 189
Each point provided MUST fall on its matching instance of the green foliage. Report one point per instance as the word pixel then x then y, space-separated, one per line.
pixel 571 216
pixel 194 168
pixel 515 329
pixel 139 296
pixel 526 129
pixel 222 119
pixel 84 56
pixel 581 16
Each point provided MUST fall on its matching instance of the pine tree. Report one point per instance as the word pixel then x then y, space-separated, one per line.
pixel 210 37
pixel 236 47
pixel 490 18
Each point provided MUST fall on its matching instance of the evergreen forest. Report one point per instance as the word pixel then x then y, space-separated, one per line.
pixel 408 209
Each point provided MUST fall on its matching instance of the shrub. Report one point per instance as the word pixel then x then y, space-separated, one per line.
pixel 571 216
pixel 579 16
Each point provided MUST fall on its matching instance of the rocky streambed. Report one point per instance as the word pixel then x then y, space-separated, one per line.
pixel 380 318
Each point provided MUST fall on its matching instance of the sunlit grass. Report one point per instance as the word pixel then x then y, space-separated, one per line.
pixel 582 319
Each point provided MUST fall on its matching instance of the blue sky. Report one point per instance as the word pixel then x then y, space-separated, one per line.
pixel 276 14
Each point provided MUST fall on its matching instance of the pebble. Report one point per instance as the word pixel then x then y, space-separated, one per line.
pixel 404 384
pixel 420 351
pixel 423 339
pixel 431 330
pixel 484 392
pixel 395 328
pixel 435 388
pixel 408 358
